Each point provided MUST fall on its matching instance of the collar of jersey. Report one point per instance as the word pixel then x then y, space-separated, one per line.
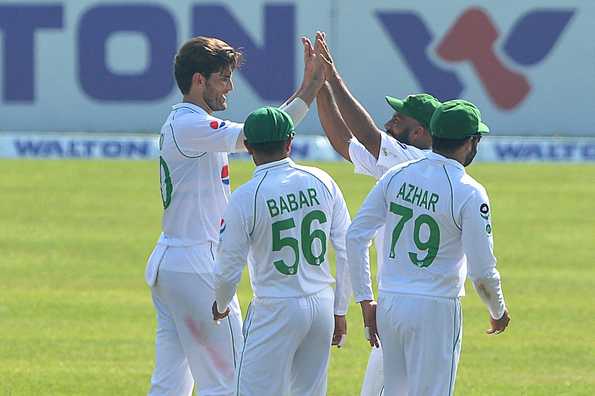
pixel 191 106
pixel 271 165
pixel 441 158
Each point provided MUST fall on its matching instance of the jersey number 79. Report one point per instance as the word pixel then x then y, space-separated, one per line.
pixel 431 245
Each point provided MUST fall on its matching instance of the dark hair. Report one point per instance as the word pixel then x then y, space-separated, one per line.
pixel 447 145
pixel 204 55
pixel 269 148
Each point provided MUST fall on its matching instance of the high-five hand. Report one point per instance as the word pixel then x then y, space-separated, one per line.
pixel 313 65
pixel 313 72
pixel 323 51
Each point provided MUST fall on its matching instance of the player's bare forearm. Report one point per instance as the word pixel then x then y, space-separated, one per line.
pixel 309 91
pixel 334 126
pixel 355 116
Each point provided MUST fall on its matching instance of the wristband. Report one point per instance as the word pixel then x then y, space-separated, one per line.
pixel 297 109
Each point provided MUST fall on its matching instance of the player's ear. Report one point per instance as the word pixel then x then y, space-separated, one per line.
pixel 249 148
pixel 420 131
pixel 288 145
pixel 198 79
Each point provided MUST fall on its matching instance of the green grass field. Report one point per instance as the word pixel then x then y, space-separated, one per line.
pixel 76 317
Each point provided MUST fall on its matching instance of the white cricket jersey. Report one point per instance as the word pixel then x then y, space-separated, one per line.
pixel 194 173
pixel 282 221
pixel 392 152
pixel 437 229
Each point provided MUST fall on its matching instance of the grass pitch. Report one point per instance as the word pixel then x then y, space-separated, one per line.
pixel 76 317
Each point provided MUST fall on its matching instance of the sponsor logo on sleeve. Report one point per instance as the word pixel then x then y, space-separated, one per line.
pixel 225 175
pixel 484 211
pixel 217 124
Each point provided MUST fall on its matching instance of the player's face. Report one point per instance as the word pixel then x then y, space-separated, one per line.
pixel 472 150
pixel 217 86
pixel 400 127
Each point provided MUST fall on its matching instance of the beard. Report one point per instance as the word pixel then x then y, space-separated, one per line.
pixel 215 101
pixel 403 136
pixel 470 155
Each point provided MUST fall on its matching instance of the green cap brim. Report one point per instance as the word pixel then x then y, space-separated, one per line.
pixel 395 103
pixel 483 128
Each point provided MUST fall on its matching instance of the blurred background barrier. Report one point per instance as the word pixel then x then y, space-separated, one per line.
pixel 99 66
pixel 305 147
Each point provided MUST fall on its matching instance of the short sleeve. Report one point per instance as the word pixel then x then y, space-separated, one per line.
pixel 363 160
pixel 392 152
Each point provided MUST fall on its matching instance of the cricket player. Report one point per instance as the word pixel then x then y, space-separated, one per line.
pixel 353 134
pixel 281 222
pixel 437 231
pixel 195 187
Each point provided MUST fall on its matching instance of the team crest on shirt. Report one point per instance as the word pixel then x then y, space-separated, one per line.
pixel 225 175
pixel 216 124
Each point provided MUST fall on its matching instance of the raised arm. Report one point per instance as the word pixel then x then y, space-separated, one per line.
pixel 355 115
pixel 297 104
pixel 334 126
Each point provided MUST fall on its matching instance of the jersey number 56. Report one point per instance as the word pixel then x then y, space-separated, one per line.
pixel 307 239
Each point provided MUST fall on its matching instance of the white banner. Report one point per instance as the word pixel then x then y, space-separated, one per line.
pixel 94 65
pixel 305 147
pixel 132 146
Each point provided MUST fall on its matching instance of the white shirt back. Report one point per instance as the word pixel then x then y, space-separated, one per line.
pixel 436 221
pixel 392 153
pixel 282 220
pixel 194 173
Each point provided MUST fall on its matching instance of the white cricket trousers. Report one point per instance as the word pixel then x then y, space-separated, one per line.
pixel 421 341
pixel 190 347
pixel 373 384
pixel 287 345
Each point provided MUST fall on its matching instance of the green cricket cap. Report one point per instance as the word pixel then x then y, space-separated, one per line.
pixel 457 119
pixel 419 107
pixel 268 124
